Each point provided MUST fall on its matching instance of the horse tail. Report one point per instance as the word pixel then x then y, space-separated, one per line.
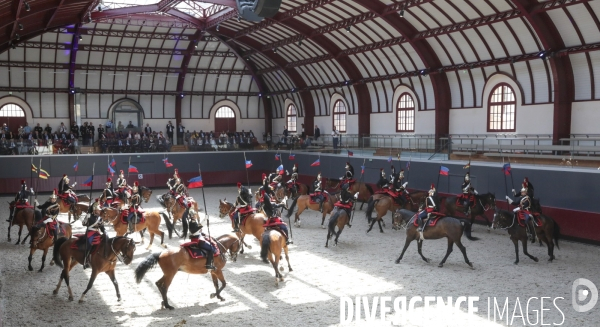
pixel 184 222
pixel 371 207
pixel 56 251
pixel 168 223
pixel 264 246
pixel 291 209
pixel 307 188
pixel 369 188
pixel 556 235
pixel 146 265
pixel 37 216
pixel 160 200
pixel 333 220
pixel 467 229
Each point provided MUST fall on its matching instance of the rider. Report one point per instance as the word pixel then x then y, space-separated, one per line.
pixel 346 198
pixel 49 217
pixel 133 212
pixel 51 201
pixel 273 214
pixel 23 194
pixel 467 194
pixel 122 185
pixel 202 242
pixel 266 186
pixel 527 184
pixel 317 186
pixel 242 203
pixel 173 182
pixel 393 177
pixel 383 182
pixel 181 195
pixel 136 188
pixel 348 174
pixel 110 193
pixel 294 178
pixel 430 207
pixel 65 189
pixel 524 205
pixel 94 226
pixel 400 187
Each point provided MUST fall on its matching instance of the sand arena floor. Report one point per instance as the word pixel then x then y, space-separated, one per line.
pixel 361 265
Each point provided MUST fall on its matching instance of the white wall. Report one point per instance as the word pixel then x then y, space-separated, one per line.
pixel 585 117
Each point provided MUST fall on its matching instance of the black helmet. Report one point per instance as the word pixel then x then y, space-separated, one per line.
pixel 267 206
pixel 194 226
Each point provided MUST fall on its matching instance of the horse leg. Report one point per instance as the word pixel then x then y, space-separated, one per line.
pixel 287 258
pixel 337 235
pixel 43 260
pixel 516 243
pixel 420 247
pixel 162 239
pixel 406 244
pixel 9 226
pixel 379 223
pixel 31 251
pixel 524 243
pixel 142 237
pixel 372 223
pixel 163 287
pixel 19 238
pixel 89 285
pixel 448 251
pixel 550 244
pixel 464 252
pixel 297 215
pixel 26 237
pixel 216 276
pixel 60 279
pixel 113 279
pixel 275 263
pixel 328 237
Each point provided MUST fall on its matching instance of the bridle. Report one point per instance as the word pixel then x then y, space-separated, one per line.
pixel 117 254
pixel 504 228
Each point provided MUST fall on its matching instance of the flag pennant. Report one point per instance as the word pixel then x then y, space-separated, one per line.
pixel 390 159
pixel 292 157
pixel 362 169
pixel 167 163
pixel 316 163
pixel 33 168
pixel 408 166
pixel 444 171
pixel 111 171
pixel 113 162
pixel 506 169
pixel 248 164
pixel 350 154
pixel 133 169
pixel 279 168
pixel 195 182
pixel 76 165
pixel 278 157
pixel 89 181
pixel 43 174
pixel 468 165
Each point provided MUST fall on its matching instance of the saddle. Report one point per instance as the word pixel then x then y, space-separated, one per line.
pixel 244 213
pixel 140 217
pixel 274 185
pixel 22 205
pixel 81 239
pixel 341 205
pixel 313 198
pixel 291 185
pixel 350 182
pixel 198 253
pixel 462 197
pixel 276 228
pixel 535 217
pixel 112 202
pixel 65 196
pixel 432 221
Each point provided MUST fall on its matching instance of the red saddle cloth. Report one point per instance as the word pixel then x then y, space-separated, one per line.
pixel 81 239
pixel 462 197
pixel 197 253
pixel 274 185
pixel 314 195
pixel 534 216
pixel 274 222
pixel 291 185
pixel 50 227
pixel 343 205
pixel 125 213
pixel 24 206
pixel 244 213
pixel 432 221
pixel 112 202
pixel 350 182
pixel 65 196
pixel 389 192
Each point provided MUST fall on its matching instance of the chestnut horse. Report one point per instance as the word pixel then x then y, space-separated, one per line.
pixel 483 203
pixel 74 210
pixel 22 217
pixel 176 211
pixel 253 224
pixel 152 223
pixel 338 218
pixel 448 227
pixel 382 203
pixel 365 191
pixel 304 203
pixel 548 232
pixel 270 248
pixel 40 240
pixel 173 260
pixel 296 190
pixel 104 259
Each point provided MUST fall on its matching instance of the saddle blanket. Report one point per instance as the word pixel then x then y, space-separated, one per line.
pixel 81 239
pixel 197 253
pixel 276 228
pixel 313 198
pixel 23 206
pixel 64 197
pixel 243 216
pixel 432 221
pixel 343 205
pixel 140 217
pixel 350 182
pixel 534 216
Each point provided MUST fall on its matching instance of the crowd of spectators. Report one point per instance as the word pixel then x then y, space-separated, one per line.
pixel 211 141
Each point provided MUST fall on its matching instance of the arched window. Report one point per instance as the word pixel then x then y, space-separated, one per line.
pixel 405 114
pixel 291 118
pixel 339 116
pixel 501 109
pixel 11 110
pixel 225 112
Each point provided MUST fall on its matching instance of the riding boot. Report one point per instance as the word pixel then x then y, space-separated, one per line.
pixel 236 222
pixel 421 224
pixel 86 257
pixel 209 260
pixel 131 226
pixel 321 206
pixel 55 234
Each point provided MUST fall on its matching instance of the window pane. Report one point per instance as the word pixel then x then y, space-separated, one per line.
pixel 225 112
pixel 11 110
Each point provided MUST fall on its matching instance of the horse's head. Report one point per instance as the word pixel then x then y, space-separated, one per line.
pixel 146 193
pixel 224 207
pixel 231 242
pixel 502 219
pixel 536 206
pixel 126 247
pixel 489 201
pixel 108 214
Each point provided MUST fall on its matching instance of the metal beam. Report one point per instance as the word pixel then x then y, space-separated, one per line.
pixel 132 92
pixel 72 61
pixel 183 71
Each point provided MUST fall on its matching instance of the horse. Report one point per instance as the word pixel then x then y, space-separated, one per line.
pixel 145 193
pixel 483 203
pixel 235 244
pixel 549 232
pixel 253 224
pixel 22 217
pixel 173 260
pixel 382 203
pixel 152 223
pixel 75 210
pixel 449 227
pixel 270 251
pixel 296 190
pixel 338 218
pixel 365 191
pixel 104 259
pixel 176 211
pixel 304 203
pixel 40 240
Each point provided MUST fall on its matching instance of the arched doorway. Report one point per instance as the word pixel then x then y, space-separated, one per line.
pixel 225 120
pixel 126 110
pixel 13 116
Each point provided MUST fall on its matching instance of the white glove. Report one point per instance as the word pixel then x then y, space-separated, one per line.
pixel 287 172
pixel 36 202
pixel 32 192
pixel 507 198
pixel 355 195
pixel 341 178
pixel 476 192
pixel 513 190
pixel 249 191
pixel 516 209
pixel 404 185
pixel 74 184
pixel 278 184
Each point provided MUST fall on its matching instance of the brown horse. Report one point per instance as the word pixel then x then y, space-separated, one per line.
pixel 234 244
pixel 104 259
pixel 548 232
pixel 152 223
pixel 304 203
pixel 338 218
pixel 40 240
pixel 173 260
pixel 176 211
pixel 74 210
pixel 22 217
pixel 270 248
pixel 483 203
pixel 252 226
pixel 365 191
pixel 449 227
pixel 296 190
pixel 382 203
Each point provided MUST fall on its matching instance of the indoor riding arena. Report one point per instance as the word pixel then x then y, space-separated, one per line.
pixel 299 163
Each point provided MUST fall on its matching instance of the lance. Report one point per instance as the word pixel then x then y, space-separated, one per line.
pixel 511 175
pixel 30 178
pixel 128 165
pixel 37 184
pixel 362 174
pixel 248 178
pixel 505 184
pixel 204 200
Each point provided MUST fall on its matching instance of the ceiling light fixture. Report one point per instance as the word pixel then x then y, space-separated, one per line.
pixel 80 37
pixel 20 27
pixel 402 11
pixel 348 29
pixel 27 7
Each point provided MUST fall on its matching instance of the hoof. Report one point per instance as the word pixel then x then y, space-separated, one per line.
pixel 9 239
pixel 23 242
pixel 41 269
pixel 55 292
pixel 471 266
pixel 70 298
pixel 221 298
pixel 281 268
pixel 81 301
pixel 397 261
pixel 212 296
pixel 427 260
pixel 291 269
pixel 440 265
pixel 165 246
pixel 516 262
pixel 249 247
pixel 326 246
pixel 30 268
pixel 149 246
pixel 281 279
pixel 52 262
pixel 322 227
pixel 381 231
pixel 535 259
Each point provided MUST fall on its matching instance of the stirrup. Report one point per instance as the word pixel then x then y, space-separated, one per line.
pixel 210 267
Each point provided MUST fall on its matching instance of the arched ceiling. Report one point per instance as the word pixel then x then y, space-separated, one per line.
pixel 444 50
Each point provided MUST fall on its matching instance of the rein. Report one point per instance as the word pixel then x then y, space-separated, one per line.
pixel 511 225
pixel 117 254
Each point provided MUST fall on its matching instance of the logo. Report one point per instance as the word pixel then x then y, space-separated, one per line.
pixel 579 295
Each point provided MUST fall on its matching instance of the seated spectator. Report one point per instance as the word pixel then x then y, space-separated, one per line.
pixel 120 127
pixel 130 125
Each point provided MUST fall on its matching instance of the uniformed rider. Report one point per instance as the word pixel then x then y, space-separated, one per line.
pixel 50 217
pixel 23 193
pixel 109 190
pixel 430 207
pixel 294 177
pixel 65 189
pixel 318 187
pixel 133 212
pixel 266 186
pixel 94 227
pixel 523 204
pixel 242 203
pixel 49 202
pixel 467 194
pixel 202 242
pixel 383 181
pixel 173 182
pixel 122 186
pixel 349 173
pixel 274 220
